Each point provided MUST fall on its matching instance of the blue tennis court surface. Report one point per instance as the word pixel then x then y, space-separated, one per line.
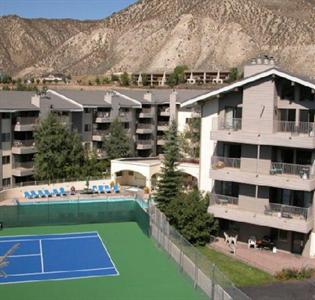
pixel 56 257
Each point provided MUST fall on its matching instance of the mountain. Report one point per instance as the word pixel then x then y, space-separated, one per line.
pixel 156 35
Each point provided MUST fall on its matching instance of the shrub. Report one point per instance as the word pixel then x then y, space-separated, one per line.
pixel 294 273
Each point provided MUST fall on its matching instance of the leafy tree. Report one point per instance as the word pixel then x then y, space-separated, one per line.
pixel 145 79
pixel 178 76
pixel 93 166
pixel 6 88
pixel 114 77
pixel 38 81
pixel 97 81
pixel 190 217
pixel 124 79
pixel 235 75
pixel 170 182
pixel 106 80
pixel 117 143
pixel 59 152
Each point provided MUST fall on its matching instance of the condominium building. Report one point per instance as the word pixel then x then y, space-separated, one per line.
pixel 144 114
pixel 257 156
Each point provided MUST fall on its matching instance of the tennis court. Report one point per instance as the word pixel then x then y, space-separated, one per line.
pixel 56 257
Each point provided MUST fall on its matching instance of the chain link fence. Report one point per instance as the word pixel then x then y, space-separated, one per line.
pixel 204 274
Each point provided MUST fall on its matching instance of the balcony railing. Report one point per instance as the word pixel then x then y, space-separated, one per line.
pixel 217 199
pixel 144 126
pixel 228 124
pixel 26 120
pixel 144 142
pixel 306 128
pixel 288 211
pixel 219 162
pixel 101 132
pixel 23 143
pixel 147 110
pixel 304 171
pixel 24 165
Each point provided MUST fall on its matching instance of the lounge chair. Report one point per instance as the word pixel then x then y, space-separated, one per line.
pixel 100 189
pixel 40 193
pixel 34 194
pixel 94 189
pixel 62 191
pixel 116 188
pixel 107 189
pixel 47 193
pixel 55 192
pixel 27 195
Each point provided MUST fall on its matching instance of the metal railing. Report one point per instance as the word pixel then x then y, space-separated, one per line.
pixel 295 127
pixel 24 165
pixel 26 120
pixel 288 211
pixel 304 171
pixel 144 142
pixel 147 111
pixel 217 199
pixel 23 143
pixel 228 124
pixel 144 126
pixel 218 162
pixel 101 132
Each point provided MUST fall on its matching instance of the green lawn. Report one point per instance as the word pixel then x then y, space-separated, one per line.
pixel 238 272
pixel 146 272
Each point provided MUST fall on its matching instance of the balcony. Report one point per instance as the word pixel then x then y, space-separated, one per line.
pixel 25 123
pixel 144 144
pixel 98 135
pixel 302 171
pixel 285 217
pixel 103 117
pixel 165 112
pixel 144 128
pixel 146 113
pixel 163 126
pixel 21 169
pixel 161 140
pixel 219 162
pixel 101 154
pixel 125 117
pixel 23 147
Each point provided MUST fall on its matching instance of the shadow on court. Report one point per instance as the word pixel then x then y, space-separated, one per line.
pixel 292 290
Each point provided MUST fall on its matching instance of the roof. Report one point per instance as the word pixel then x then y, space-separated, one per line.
pixel 58 102
pixel 270 72
pixel 95 98
pixel 12 101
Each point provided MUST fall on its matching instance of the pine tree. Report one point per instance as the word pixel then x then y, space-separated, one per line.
pixel 117 143
pixel 59 152
pixel 170 182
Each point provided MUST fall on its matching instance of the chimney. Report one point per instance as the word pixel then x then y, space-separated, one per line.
pixel 258 65
pixel 36 100
pixel 148 96
pixel 108 97
pixel 173 110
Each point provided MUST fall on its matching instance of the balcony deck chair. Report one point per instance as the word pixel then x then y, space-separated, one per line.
pixel 27 195
pixel 116 188
pixel 107 189
pixel 100 189
pixel 63 192
pixel 34 194
pixel 40 193
pixel 55 192
pixel 47 193
pixel 252 242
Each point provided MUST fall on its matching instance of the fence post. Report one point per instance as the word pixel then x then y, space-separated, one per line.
pixel 196 270
pixel 212 282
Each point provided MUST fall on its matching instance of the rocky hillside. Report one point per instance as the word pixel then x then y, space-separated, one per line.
pixel 154 35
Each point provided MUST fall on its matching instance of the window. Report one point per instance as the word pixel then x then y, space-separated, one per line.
pixel 130 173
pixel 6 116
pixel 6 181
pixel 283 235
pixel 87 127
pixel 119 174
pixel 6 159
pixel 87 110
pixel 5 137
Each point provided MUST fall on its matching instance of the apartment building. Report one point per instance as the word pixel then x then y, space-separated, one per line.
pixel 257 156
pixel 145 116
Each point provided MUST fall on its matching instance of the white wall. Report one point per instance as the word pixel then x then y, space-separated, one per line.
pixel 209 111
pixel 182 115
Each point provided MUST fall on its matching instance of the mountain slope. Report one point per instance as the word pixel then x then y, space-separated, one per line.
pixel 155 35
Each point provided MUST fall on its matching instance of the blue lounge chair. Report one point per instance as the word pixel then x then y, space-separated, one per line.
pixel 47 193
pixel 107 189
pixel 100 189
pixel 62 191
pixel 34 194
pixel 94 189
pixel 55 192
pixel 116 188
pixel 40 193
pixel 27 195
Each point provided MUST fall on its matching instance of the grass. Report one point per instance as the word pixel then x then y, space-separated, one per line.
pixel 146 272
pixel 238 272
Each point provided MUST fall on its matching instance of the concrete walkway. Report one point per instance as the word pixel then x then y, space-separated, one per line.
pixel 264 259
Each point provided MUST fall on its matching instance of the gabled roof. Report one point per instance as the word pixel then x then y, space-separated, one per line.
pixel 250 79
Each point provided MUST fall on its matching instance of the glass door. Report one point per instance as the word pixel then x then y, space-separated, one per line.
pixel 298 242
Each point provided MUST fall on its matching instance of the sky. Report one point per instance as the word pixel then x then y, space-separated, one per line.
pixel 75 9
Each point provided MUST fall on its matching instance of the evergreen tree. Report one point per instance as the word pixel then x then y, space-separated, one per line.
pixel 170 182
pixel 124 79
pixel 59 152
pixel 117 143
pixel 93 166
pixel 190 217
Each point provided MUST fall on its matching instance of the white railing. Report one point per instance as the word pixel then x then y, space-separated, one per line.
pixel 231 124
pixel 288 211
pixel 217 199
pixel 24 165
pixel 295 127
pixel 218 162
pixel 144 126
pixel 304 171
pixel 26 120
pixel 144 142
pixel 23 143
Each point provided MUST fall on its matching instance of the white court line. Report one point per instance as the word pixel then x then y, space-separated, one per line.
pixel 25 255
pixel 41 256
pixel 59 272
pixel 108 253
pixel 52 239
pixel 48 234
